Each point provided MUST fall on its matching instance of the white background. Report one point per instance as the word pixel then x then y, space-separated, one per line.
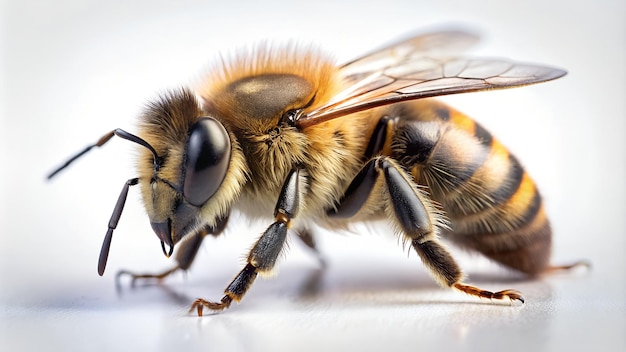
pixel 73 70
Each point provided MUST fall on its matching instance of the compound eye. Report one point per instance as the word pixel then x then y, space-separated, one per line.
pixel 207 157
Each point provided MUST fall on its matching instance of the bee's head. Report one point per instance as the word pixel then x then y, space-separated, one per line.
pixel 191 170
pixel 185 167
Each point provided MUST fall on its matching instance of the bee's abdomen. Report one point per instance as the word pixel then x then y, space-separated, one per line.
pixel 492 202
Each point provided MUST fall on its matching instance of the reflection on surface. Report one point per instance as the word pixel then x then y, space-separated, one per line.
pixel 382 283
pixel 380 303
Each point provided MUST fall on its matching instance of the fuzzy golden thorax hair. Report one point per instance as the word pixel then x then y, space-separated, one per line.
pixel 255 93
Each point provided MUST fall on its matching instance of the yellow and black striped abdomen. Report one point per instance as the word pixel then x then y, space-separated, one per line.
pixel 493 204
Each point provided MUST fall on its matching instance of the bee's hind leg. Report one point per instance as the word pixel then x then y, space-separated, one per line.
pixel 185 255
pixel 413 213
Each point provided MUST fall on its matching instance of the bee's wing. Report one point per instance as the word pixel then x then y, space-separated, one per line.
pixel 401 72
pixel 440 43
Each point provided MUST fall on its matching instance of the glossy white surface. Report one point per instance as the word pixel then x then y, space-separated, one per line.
pixel 73 70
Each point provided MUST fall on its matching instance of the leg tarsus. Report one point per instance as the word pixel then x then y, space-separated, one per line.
pixel 513 295
pixel 200 303
pixel 235 291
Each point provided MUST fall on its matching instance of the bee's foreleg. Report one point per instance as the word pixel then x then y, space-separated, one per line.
pixel 185 254
pixel 415 216
pixel 263 255
pixel 188 250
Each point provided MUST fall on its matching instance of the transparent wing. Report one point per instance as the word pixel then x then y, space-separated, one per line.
pixel 433 44
pixel 401 72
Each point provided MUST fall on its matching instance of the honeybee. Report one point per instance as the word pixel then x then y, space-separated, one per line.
pixel 286 134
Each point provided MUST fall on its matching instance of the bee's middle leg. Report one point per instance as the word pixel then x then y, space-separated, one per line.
pixel 414 214
pixel 263 255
